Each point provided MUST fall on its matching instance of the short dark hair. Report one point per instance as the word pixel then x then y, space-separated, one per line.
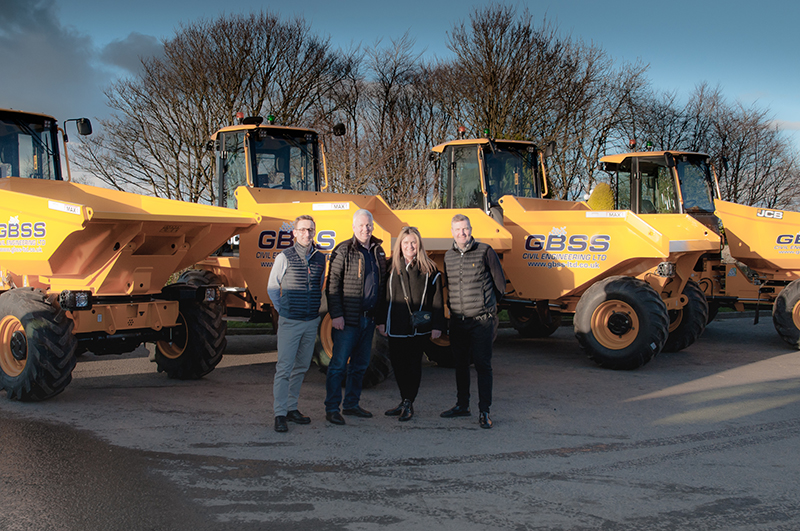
pixel 298 219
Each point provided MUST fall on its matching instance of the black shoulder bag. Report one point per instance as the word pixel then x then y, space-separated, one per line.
pixel 421 320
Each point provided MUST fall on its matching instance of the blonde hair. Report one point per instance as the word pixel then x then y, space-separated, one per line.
pixel 426 265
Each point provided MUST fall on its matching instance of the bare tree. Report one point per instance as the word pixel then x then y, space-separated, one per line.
pixel 389 115
pixel 761 165
pixel 155 140
pixel 511 79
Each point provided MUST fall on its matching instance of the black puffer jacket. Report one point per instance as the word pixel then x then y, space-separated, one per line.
pixel 424 293
pixel 345 286
pixel 475 280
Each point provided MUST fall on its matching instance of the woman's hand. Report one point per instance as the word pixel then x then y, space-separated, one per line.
pixel 382 330
pixel 436 334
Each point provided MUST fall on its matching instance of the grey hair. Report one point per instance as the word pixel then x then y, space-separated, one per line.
pixel 362 212
pixel 460 217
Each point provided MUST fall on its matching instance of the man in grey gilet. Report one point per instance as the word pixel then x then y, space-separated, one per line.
pixel 295 288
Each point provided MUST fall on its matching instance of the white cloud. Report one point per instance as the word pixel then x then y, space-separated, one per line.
pixel 129 52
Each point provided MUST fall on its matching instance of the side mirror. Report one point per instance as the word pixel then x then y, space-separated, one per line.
pixel 339 129
pixel 84 126
pixel 550 149
pixel 669 160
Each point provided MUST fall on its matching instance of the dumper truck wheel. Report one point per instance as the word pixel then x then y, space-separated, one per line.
pixel 688 323
pixel 528 323
pixel 786 314
pixel 198 342
pixel 621 322
pixel 37 347
pixel 380 367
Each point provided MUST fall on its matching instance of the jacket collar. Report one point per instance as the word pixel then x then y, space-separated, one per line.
pixel 471 245
pixel 373 242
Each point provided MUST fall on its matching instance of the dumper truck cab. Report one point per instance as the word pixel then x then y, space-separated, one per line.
pixel 758 263
pixel 477 173
pixel 86 268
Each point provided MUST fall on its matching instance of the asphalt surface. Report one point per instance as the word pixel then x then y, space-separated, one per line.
pixel 705 438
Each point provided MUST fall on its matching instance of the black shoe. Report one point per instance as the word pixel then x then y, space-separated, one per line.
pixel 334 417
pixel 484 420
pixel 408 411
pixel 280 424
pixel 297 417
pixel 458 411
pixel 394 412
pixel 357 411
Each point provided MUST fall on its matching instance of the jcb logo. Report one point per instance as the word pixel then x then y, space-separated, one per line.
pixel 771 214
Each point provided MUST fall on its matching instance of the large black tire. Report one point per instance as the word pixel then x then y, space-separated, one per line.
pixel 621 322
pixel 37 347
pixel 529 323
pixel 688 323
pixel 198 342
pixel 786 314
pixel 380 366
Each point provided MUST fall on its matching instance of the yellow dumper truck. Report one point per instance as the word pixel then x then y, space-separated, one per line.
pixel 618 274
pixel 85 268
pixel 759 263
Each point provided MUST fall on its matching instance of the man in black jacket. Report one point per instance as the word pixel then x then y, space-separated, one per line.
pixel 356 280
pixel 475 283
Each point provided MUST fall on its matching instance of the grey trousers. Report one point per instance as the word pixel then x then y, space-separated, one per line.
pixel 295 349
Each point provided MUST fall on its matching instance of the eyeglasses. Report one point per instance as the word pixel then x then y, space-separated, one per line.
pixel 310 231
pixel 409 229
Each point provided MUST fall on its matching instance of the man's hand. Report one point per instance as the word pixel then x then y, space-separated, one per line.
pixel 436 334
pixel 338 323
pixel 382 330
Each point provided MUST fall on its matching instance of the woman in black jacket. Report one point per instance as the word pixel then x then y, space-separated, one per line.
pixel 414 285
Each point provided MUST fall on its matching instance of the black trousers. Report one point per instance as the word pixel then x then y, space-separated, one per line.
pixel 471 341
pixel 405 353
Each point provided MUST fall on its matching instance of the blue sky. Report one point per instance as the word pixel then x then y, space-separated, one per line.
pixel 57 56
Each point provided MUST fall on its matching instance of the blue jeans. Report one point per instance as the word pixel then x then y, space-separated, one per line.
pixel 354 343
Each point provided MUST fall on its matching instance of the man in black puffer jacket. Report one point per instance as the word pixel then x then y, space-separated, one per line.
pixel 475 284
pixel 356 281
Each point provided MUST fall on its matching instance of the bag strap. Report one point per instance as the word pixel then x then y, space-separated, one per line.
pixel 405 294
